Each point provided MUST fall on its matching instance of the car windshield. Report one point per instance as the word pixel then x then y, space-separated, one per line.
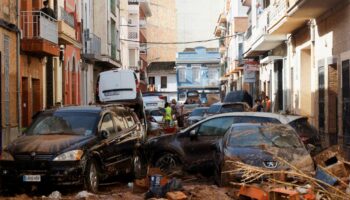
pixel 256 136
pixel 214 109
pixel 64 123
pixel 198 112
pixel 232 108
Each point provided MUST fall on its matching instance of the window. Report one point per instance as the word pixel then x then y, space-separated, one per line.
pixel 151 80
pixel 163 82
pixel 196 74
pixel 214 127
pixel 182 74
pixel 119 123
pixel 107 125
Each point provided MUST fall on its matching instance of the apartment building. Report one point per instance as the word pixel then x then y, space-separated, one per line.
pixel 9 74
pixel 303 51
pixel 39 47
pixel 231 26
pixel 198 69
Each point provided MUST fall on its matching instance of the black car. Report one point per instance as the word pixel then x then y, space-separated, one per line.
pixel 260 145
pixel 239 96
pixel 193 147
pixel 75 145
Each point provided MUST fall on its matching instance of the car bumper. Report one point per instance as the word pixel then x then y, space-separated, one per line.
pixel 55 173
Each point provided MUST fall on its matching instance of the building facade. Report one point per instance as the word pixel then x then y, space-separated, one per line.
pixel 198 69
pixel 9 64
pixel 302 48
pixel 162 79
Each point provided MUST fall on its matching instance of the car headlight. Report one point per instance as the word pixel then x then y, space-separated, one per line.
pixel 6 156
pixel 69 156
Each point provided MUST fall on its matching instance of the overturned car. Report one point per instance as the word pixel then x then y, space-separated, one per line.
pixel 269 146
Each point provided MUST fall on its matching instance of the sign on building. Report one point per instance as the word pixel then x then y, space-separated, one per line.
pixel 250 69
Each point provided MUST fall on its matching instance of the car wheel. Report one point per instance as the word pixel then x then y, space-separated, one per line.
pixel 139 166
pixel 92 179
pixel 168 162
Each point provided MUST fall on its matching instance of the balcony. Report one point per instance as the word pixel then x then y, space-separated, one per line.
pixel 133 35
pixel 289 15
pixel 66 30
pixel 145 6
pixel 143 22
pixel 39 33
pixel 92 46
pixel 261 41
pixel 239 24
pixel 246 2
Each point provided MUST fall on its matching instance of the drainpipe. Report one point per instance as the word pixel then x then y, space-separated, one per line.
pixel 19 103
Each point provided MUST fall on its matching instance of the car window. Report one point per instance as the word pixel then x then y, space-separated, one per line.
pixel 217 126
pixel 251 119
pixel 247 136
pixel 156 113
pixel 232 108
pixel 107 125
pixel 65 122
pixel 198 112
pixel 119 123
pixel 214 109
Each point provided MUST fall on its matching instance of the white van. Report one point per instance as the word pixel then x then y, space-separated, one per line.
pixel 118 85
pixel 153 102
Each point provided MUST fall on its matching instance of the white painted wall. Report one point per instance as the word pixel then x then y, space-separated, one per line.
pixel 196 20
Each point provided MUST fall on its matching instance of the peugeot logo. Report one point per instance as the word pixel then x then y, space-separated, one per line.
pixel 270 164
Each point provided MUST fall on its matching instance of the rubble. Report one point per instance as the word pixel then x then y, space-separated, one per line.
pixel 176 195
pixel 55 195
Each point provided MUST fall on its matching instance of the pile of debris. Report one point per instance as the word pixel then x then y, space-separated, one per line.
pixel 330 180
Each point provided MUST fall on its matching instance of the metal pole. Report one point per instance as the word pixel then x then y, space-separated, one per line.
pixel 19 100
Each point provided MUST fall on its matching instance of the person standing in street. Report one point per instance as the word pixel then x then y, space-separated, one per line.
pixel 267 108
pixel 167 117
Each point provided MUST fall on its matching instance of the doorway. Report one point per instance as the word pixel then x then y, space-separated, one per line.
pixel 25 103
pixel 278 70
pixel 305 83
pixel 346 101
pixel 36 103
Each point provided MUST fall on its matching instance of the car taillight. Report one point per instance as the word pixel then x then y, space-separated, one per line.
pixel 137 85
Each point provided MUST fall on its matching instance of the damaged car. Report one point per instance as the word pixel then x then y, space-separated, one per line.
pixel 77 145
pixel 192 148
pixel 272 146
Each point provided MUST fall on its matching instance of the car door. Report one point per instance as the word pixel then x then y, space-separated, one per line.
pixel 127 138
pixel 107 149
pixel 199 148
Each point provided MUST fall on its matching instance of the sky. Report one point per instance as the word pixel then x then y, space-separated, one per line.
pixel 196 20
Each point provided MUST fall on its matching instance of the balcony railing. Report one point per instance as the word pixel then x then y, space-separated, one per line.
pixel 38 25
pixel 132 35
pixel 92 43
pixel 133 2
pixel 67 17
pixel 277 11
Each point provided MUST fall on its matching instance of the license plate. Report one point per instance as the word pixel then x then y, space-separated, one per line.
pixel 31 178
pixel 111 93
pixel 152 104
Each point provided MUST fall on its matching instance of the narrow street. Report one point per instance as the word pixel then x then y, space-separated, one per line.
pixel 175 99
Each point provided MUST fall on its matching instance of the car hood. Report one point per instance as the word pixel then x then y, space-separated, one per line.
pixel 46 144
pixel 273 157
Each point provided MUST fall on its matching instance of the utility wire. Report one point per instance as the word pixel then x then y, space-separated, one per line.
pixel 188 42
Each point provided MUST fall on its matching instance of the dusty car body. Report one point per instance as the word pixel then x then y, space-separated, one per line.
pixel 217 108
pixel 75 145
pixel 273 146
pixel 196 115
pixel 192 148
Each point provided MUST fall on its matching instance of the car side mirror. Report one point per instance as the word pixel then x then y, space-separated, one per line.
pixel 103 134
pixel 193 134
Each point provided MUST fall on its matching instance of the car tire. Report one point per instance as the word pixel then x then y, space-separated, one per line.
pixel 91 179
pixel 138 166
pixel 168 162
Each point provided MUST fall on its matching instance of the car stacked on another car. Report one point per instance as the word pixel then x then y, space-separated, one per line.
pixel 76 145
